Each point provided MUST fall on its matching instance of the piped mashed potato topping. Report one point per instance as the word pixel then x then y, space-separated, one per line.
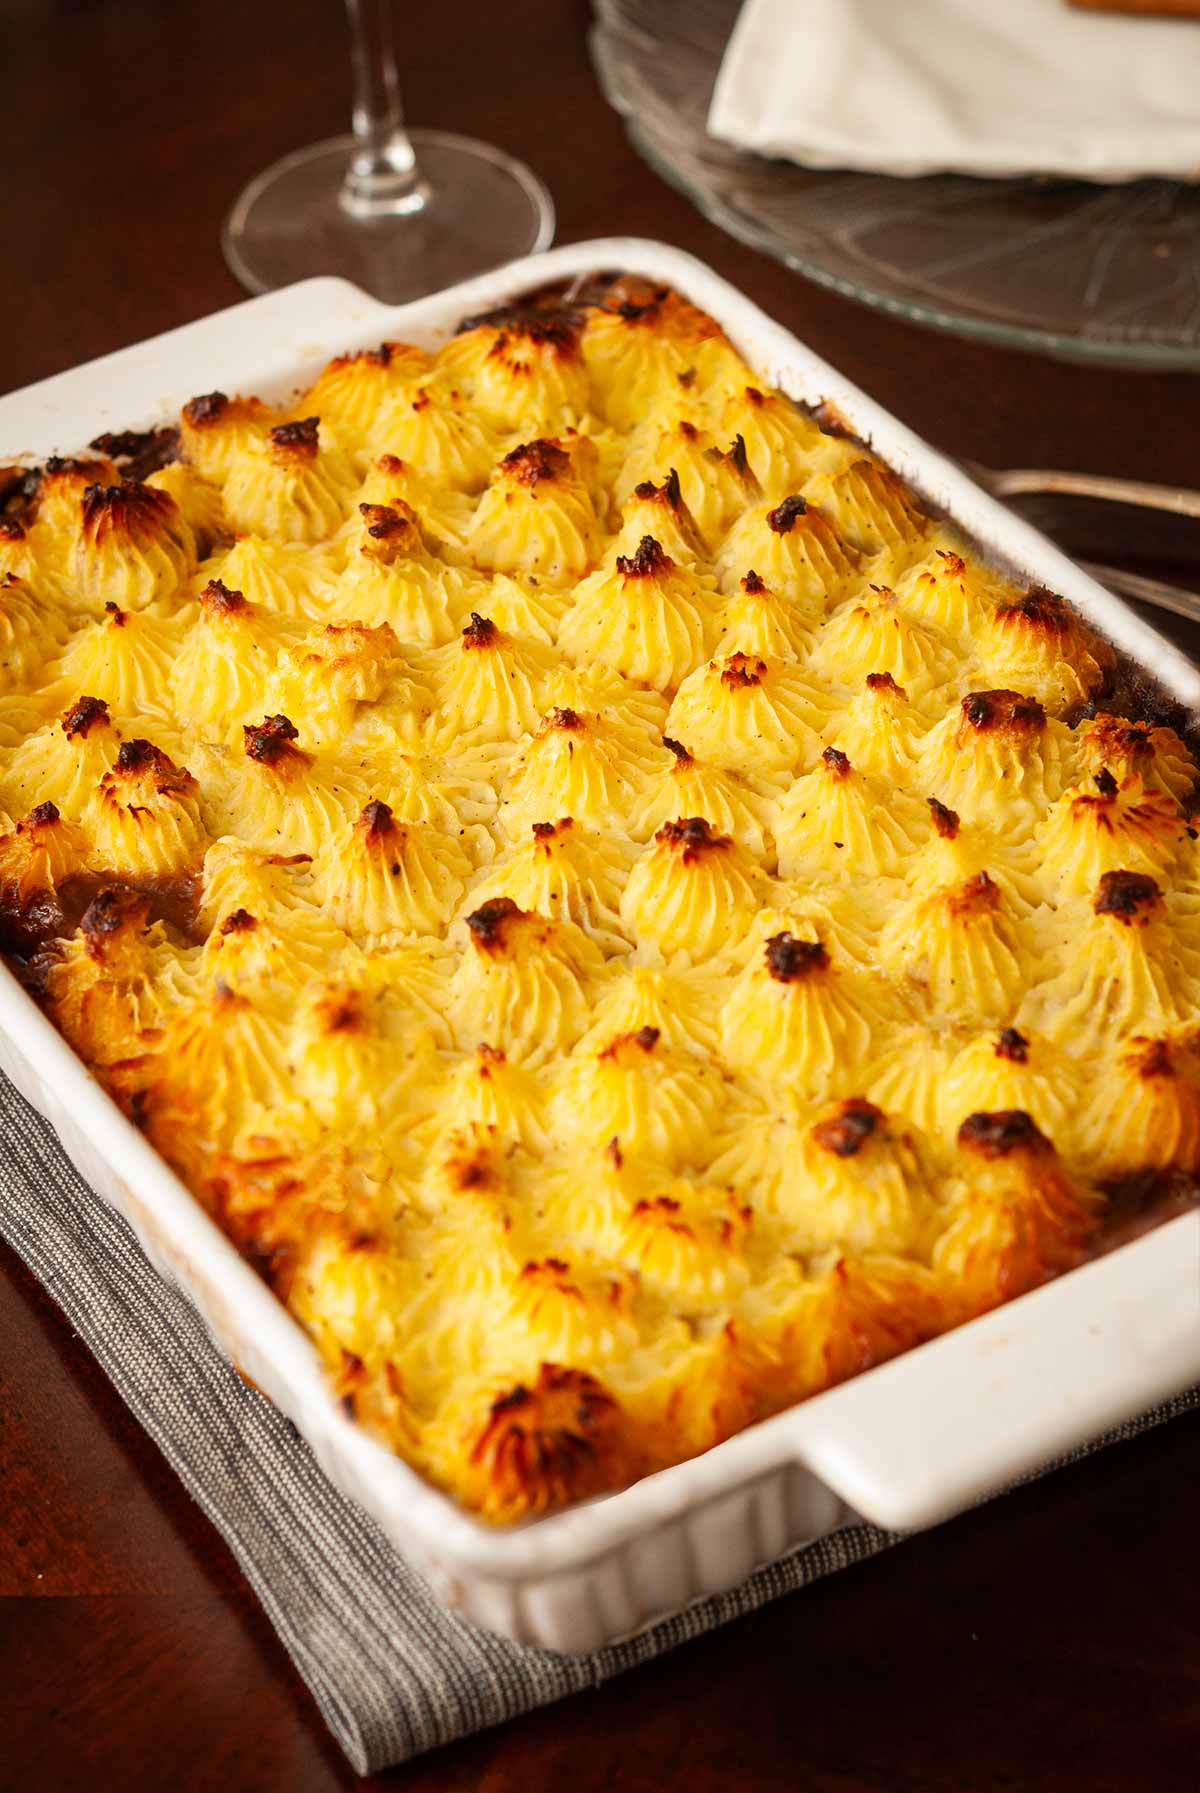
pixel 622 918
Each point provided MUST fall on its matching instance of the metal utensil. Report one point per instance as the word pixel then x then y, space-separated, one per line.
pixel 1016 482
pixel 1008 483
pixel 1146 591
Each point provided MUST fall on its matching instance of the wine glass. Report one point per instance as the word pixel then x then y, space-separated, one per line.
pixel 400 213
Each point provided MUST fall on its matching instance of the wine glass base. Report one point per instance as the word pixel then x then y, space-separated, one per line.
pixel 482 209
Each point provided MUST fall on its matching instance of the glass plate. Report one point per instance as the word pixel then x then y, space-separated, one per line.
pixel 1079 271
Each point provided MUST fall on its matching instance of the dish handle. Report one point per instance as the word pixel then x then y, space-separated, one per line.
pixel 258 346
pixel 938 1430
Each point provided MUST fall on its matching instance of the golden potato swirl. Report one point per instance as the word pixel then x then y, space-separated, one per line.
pixel 523 984
pixel 691 891
pixel 794 548
pixel 291 486
pixel 537 517
pixel 746 714
pixel 647 618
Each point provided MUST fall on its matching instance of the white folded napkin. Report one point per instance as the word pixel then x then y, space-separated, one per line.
pixel 989 87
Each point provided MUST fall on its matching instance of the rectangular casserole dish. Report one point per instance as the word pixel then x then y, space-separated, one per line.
pixel 905 1445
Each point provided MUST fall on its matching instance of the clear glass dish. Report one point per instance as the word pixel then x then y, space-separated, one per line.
pixel 1074 270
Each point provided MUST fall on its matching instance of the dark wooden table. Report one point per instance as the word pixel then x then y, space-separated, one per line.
pixel 1048 1642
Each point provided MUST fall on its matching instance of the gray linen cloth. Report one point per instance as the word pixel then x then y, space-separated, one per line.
pixel 392 1672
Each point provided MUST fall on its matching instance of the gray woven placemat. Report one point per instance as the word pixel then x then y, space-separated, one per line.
pixel 392 1672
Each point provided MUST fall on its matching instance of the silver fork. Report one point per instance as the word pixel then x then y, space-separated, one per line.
pixel 1145 591
pixel 1014 482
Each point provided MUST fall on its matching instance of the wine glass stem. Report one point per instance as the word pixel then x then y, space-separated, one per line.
pixel 383 180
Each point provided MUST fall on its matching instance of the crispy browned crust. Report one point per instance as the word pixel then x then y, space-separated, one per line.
pixel 1130 896
pixel 491 922
pixel 271 742
pixel 546 832
pixel 141 760
pixel 217 599
pixel 668 494
pixel 544 1444
pixel 298 443
pixel 979 895
pixel 393 532
pixel 945 820
pixel 792 961
pixel 693 839
pixel 534 462
pixel 376 823
pixel 566 720
pixel 1003 712
pixel 649 561
pixel 114 910
pixel 382 356
pixel 742 672
pixel 558 334
pixel 18 498
pixel 847 1131
pixel 125 512
pixel 480 632
pixel 75 468
pixel 1041 610
pixel 736 460
pixel 836 763
pixel 205 410
pixel 874 1318
pixel 644 1038
pixel 1000 1135
pixel 139 453
pixel 786 514
pixel 1124 739
pixel 85 714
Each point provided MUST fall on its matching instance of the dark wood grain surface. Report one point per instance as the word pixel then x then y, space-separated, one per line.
pixel 1048 1642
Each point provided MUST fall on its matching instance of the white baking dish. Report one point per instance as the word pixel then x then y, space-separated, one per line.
pixel 906 1445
